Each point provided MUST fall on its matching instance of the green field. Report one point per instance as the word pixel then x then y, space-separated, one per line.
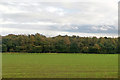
pixel 60 65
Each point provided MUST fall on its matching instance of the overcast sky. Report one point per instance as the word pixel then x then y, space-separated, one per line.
pixel 89 18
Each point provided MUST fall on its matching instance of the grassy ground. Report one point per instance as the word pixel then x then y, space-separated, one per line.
pixel 60 65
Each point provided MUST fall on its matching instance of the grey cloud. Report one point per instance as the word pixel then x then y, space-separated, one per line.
pixel 75 17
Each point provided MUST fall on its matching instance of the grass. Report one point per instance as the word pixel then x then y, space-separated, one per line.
pixel 60 65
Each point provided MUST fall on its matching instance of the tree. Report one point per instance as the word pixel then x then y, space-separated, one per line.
pixel 60 44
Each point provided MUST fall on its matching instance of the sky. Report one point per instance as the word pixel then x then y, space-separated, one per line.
pixel 51 18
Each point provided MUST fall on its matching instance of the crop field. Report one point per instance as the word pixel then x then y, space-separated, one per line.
pixel 52 65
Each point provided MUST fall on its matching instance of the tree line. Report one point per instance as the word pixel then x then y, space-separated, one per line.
pixel 37 43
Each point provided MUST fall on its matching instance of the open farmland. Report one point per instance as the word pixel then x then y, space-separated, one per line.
pixel 45 65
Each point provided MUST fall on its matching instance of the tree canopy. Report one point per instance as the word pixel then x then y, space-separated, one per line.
pixel 37 43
